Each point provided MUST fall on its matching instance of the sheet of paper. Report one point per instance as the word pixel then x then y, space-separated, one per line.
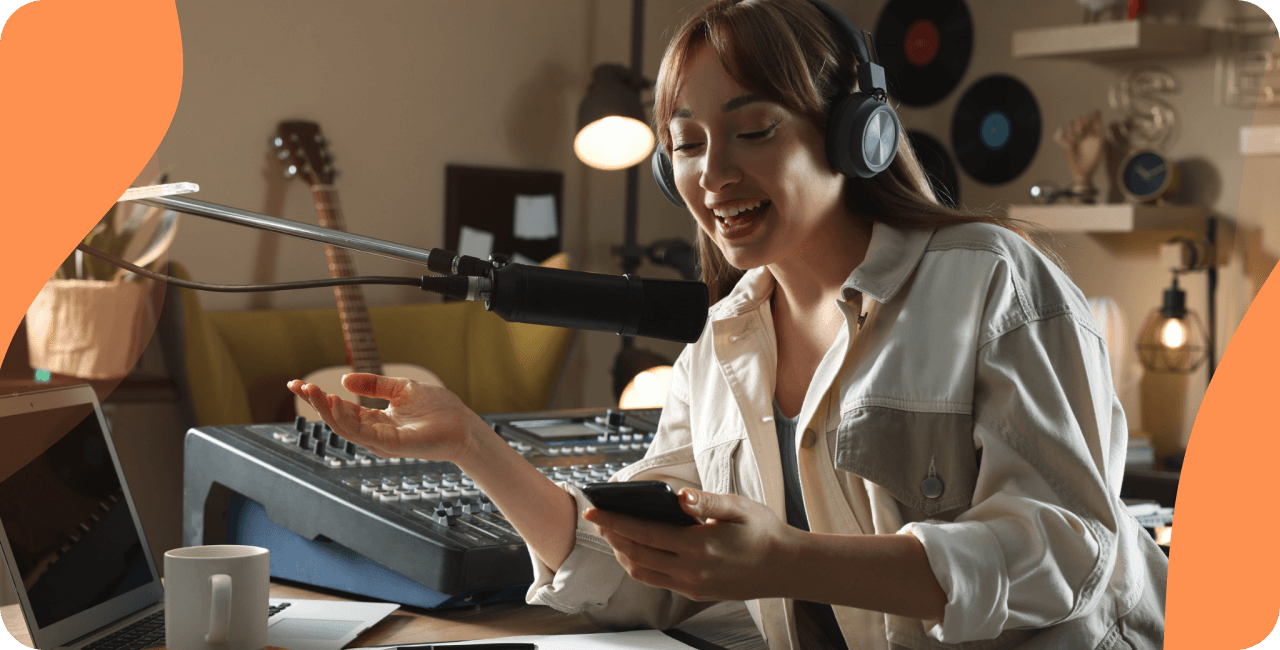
pixel 475 242
pixel 639 639
pixel 536 216
pixel 523 259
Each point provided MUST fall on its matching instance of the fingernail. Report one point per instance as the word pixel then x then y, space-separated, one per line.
pixel 690 497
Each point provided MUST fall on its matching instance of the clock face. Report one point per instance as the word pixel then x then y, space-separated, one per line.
pixel 1146 175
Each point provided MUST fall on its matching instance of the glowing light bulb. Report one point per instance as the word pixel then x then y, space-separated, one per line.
pixel 1173 334
pixel 647 390
pixel 613 142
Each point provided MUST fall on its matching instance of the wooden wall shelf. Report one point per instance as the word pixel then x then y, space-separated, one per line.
pixel 1113 217
pixel 1112 41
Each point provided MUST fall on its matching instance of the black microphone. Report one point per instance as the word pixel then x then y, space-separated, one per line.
pixel 673 310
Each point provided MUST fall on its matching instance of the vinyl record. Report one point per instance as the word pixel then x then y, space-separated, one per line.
pixel 937 166
pixel 924 46
pixel 996 129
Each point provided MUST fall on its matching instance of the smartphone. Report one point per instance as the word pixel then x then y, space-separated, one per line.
pixel 652 500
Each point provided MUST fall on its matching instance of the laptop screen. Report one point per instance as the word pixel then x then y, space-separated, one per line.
pixel 69 526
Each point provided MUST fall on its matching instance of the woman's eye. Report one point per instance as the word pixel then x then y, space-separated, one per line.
pixel 757 135
pixel 685 146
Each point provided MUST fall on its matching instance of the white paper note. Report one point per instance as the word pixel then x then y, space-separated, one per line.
pixel 475 242
pixel 536 216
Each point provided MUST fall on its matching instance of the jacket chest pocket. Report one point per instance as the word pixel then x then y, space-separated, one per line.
pixel 717 466
pixel 925 460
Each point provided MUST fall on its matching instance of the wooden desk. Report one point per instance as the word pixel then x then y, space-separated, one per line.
pixel 726 624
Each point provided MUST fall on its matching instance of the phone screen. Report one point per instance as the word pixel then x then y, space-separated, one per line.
pixel 652 500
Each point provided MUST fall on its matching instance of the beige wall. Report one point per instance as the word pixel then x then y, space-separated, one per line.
pixel 402 89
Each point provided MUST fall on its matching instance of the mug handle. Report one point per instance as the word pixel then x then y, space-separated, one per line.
pixel 220 611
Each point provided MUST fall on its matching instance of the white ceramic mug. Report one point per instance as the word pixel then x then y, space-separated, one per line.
pixel 215 597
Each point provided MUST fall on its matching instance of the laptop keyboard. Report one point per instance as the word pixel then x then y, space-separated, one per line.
pixel 148 632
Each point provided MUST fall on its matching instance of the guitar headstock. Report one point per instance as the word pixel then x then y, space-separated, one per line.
pixel 303 150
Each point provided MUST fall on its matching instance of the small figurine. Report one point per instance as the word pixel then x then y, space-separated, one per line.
pixel 1084 144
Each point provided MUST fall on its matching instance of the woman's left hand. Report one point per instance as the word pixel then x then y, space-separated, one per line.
pixel 733 556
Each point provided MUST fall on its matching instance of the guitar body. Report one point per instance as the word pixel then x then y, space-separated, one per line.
pixel 330 381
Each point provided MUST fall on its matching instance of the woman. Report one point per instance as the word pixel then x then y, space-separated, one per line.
pixel 898 425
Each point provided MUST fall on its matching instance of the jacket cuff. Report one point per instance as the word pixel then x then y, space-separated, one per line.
pixel 967 561
pixel 587 578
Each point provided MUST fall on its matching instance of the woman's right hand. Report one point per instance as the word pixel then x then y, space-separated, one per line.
pixel 422 421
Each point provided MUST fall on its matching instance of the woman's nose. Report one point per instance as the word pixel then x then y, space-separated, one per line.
pixel 719 170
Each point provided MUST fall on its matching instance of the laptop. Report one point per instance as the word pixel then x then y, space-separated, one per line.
pixel 75 549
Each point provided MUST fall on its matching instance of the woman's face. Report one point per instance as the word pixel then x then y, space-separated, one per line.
pixel 753 173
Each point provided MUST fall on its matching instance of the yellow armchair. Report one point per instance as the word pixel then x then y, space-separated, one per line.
pixel 237 362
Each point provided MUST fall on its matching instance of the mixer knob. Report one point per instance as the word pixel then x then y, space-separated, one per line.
pixel 335 440
pixel 614 418
pixel 300 423
pixel 304 441
pixel 320 447
pixel 317 429
pixel 351 448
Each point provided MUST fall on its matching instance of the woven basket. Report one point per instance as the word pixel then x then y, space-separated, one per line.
pixel 88 328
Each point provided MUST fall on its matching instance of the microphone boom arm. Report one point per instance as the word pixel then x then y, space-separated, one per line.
pixel 297 229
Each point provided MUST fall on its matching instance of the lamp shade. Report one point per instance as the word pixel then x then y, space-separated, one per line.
pixel 1173 339
pixel 612 133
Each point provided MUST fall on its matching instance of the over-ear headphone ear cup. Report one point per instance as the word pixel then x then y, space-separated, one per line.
pixel 862 136
pixel 665 176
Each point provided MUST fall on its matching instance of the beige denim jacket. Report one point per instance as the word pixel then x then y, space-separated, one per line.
pixel 972 407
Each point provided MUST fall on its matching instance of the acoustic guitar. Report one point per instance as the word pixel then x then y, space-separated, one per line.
pixel 303 149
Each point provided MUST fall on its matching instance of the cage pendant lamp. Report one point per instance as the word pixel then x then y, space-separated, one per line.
pixel 1173 339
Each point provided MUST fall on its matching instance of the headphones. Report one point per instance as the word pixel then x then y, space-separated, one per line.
pixel 862 129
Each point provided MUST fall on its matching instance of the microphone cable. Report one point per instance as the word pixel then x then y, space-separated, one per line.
pixel 234 288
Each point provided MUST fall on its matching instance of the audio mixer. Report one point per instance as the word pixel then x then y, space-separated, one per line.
pixel 335 515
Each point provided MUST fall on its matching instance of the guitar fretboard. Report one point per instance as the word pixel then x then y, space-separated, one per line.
pixel 357 333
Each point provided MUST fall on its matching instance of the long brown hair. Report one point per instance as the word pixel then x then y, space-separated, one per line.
pixel 787 51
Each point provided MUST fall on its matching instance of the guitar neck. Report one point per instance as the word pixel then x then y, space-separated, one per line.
pixel 357 333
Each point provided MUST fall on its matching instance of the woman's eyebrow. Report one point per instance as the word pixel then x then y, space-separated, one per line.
pixel 732 104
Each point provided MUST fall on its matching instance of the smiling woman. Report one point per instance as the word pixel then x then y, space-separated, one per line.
pixel 801 83
pixel 898 425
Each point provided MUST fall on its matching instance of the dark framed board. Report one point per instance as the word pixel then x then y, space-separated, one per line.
pixel 517 211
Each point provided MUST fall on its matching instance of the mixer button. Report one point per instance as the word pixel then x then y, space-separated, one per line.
pixel 471 494
pixel 393 495
pixel 410 485
pixel 449 494
pixel 368 485
pixel 592 449
pixel 394 461
pixel 624 430
pixel 410 495
pixel 364 461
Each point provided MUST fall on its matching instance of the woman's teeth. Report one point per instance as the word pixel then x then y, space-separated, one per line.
pixel 741 214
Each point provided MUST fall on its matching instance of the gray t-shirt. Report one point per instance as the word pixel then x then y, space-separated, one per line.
pixel 815 622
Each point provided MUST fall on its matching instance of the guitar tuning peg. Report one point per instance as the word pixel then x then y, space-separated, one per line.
pixel 293 137
pixel 277 142
pixel 282 154
pixel 319 138
pixel 290 171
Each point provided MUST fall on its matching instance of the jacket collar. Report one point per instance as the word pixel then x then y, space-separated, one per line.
pixel 891 257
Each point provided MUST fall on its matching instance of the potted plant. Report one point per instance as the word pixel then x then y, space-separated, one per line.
pixel 90 319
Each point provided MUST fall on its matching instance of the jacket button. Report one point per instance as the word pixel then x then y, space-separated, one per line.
pixel 808 438
pixel 932 487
